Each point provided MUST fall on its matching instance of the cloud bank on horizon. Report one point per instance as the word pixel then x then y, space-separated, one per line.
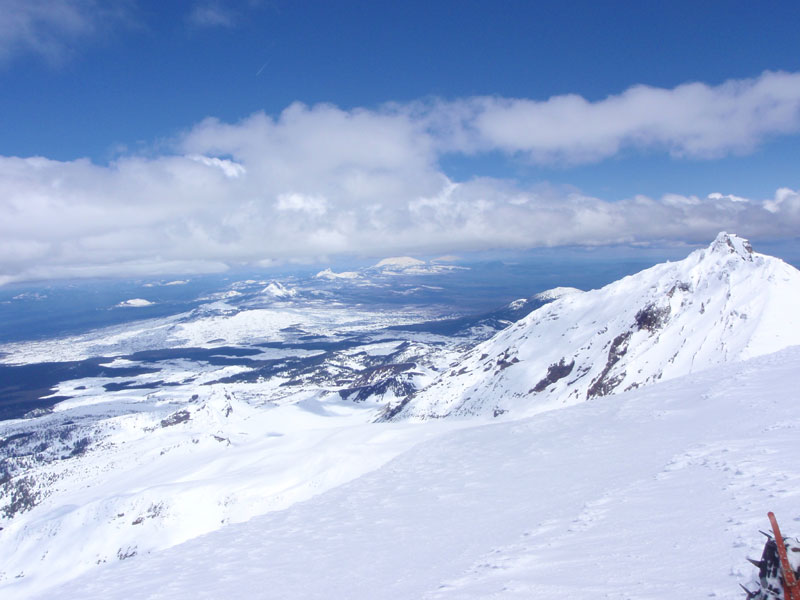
pixel 318 181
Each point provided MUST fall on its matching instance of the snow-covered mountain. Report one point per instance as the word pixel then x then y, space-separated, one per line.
pixel 277 290
pixel 720 304
pixel 134 302
pixel 399 263
pixel 331 275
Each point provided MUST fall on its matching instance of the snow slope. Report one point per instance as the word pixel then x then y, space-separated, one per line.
pixel 720 304
pixel 657 493
pixel 153 479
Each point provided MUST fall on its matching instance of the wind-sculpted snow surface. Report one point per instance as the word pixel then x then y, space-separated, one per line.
pixel 655 494
pixel 720 304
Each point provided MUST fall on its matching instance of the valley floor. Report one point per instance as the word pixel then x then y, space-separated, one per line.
pixel 656 493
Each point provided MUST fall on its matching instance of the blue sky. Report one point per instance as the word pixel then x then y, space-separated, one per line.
pixel 544 116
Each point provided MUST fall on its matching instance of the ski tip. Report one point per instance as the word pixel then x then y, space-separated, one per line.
pixel 757 563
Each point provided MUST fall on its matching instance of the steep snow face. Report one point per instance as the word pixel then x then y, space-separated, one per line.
pixel 720 304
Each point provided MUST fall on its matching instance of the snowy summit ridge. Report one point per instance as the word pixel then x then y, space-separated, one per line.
pixel 722 303
pixel 726 243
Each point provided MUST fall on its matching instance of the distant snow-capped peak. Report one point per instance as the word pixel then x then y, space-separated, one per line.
pixel 277 290
pixel 399 263
pixel 722 303
pixel 134 302
pixel 331 275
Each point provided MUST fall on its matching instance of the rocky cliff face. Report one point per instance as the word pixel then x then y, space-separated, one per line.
pixel 721 303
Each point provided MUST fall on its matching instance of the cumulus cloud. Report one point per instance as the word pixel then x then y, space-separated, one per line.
pixel 52 28
pixel 319 181
pixel 693 120
pixel 786 202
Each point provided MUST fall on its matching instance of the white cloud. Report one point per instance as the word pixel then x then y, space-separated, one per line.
pixel 692 120
pixel 731 197
pixel 230 168
pixel 312 205
pixel 318 181
pixel 786 202
pixel 52 28
pixel 212 14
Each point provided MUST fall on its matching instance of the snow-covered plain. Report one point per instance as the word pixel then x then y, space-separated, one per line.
pixel 213 325
pixel 656 493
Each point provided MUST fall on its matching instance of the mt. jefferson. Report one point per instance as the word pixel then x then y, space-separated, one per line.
pixel 720 304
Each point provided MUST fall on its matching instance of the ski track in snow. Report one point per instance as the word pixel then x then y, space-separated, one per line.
pixel 656 493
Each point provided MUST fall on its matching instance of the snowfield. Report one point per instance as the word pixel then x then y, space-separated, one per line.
pixel 656 493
